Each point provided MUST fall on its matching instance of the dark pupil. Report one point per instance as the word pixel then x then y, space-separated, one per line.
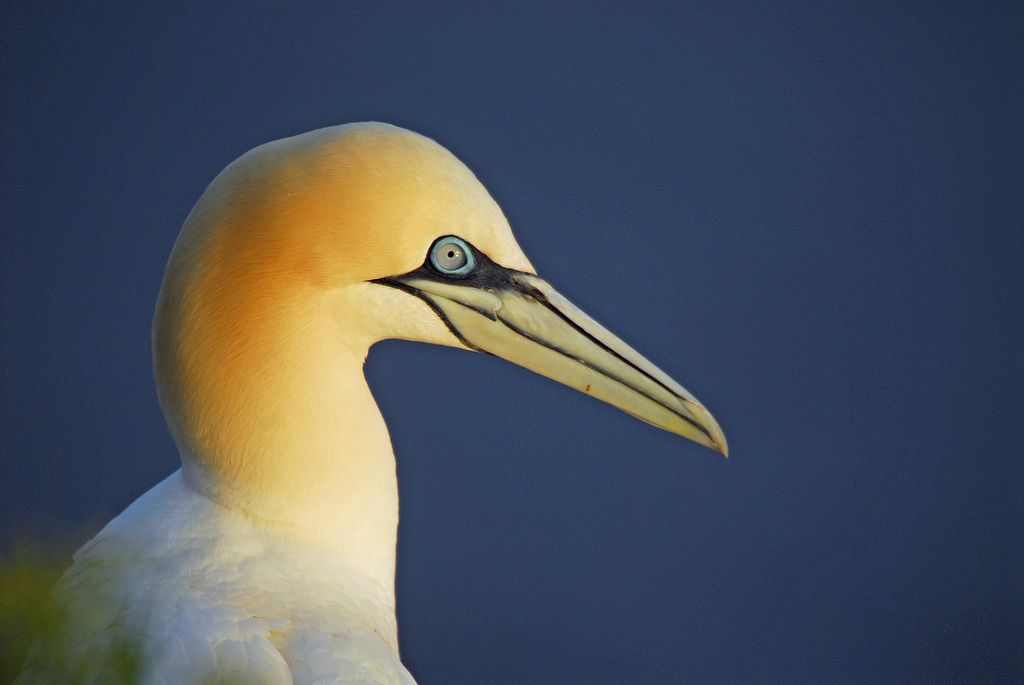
pixel 451 254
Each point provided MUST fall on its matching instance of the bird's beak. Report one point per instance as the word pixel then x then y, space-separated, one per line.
pixel 519 317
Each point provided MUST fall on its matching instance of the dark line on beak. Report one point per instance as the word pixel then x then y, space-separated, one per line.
pixel 601 371
pixel 398 285
pixel 539 296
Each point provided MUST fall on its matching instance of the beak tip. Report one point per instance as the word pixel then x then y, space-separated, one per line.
pixel 711 433
pixel 718 444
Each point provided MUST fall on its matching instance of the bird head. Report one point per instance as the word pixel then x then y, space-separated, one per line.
pixel 352 234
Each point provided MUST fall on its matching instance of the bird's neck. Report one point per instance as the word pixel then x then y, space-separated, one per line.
pixel 290 435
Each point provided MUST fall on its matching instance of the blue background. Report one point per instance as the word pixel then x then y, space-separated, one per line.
pixel 811 215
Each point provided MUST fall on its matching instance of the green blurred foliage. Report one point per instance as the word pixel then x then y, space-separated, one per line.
pixel 28 611
pixel 32 623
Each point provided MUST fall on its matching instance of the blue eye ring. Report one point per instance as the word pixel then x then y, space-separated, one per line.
pixel 452 256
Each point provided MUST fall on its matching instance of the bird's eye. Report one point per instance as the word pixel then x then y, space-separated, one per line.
pixel 452 256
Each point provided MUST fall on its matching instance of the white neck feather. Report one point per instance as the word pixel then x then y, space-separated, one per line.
pixel 307 450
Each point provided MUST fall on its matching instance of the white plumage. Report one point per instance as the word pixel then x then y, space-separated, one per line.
pixel 221 597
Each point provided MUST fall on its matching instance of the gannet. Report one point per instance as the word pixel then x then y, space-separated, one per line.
pixel 269 557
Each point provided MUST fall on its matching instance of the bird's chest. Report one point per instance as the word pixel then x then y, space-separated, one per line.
pixel 207 611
